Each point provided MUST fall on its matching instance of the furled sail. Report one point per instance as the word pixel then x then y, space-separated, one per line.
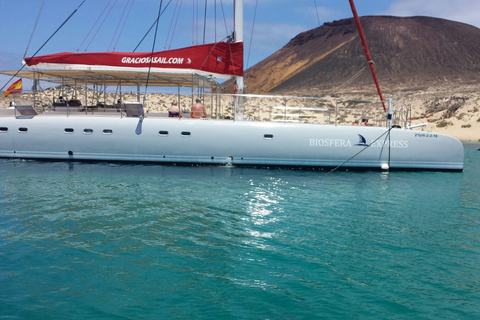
pixel 215 59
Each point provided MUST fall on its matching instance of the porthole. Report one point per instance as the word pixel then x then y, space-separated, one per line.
pixel 22 129
pixel 186 133
pixel 3 129
pixel 163 133
pixel 107 131
pixel 87 131
pixel 268 136
pixel 68 130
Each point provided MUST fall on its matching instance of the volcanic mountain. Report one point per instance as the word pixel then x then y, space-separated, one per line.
pixel 408 53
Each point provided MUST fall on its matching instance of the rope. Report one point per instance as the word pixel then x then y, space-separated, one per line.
pixel 195 22
pixel 327 56
pixel 151 27
pixel 175 26
pixel 34 28
pixel 43 45
pixel 171 24
pixel 118 25
pixel 205 22
pixel 335 169
pixel 355 76
pixel 123 26
pixel 224 19
pixel 251 35
pixel 153 49
pixel 316 9
pixel 101 25
pixel 231 56
pixel 215 19
pixel 206 58
pixel 88 34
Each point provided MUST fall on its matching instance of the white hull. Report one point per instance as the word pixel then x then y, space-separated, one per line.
pixel 217 142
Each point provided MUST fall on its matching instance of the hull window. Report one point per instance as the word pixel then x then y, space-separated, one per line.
pixel 87 131
pixel 68 130
pixel 268 136
pixel 186 133
pixel 107 131
pixel 163 133
pixel 3 129
pixel 22 129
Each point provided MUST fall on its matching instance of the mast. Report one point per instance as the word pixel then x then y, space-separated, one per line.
pixel 367 52
pixel 238 37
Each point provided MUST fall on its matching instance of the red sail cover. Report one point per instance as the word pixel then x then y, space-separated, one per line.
pixel 223 58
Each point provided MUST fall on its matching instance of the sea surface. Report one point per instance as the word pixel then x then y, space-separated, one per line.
pixel 121 241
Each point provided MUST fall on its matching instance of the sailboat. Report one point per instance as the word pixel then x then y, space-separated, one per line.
pixel 131 135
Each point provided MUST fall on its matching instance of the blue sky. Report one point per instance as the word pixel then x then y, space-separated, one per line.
pixel 277 21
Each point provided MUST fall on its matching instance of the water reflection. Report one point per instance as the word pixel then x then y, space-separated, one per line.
pixel 264 205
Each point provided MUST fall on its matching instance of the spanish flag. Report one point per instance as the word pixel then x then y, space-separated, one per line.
pixel 16 87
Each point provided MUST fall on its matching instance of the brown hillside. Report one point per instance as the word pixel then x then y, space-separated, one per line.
pixel 408 53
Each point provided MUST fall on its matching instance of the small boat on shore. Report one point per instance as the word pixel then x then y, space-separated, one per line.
pixel 74 132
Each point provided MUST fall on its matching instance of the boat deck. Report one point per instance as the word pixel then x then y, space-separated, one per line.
pixel 284 109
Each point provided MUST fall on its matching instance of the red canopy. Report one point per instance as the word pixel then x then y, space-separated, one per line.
pixel 216 59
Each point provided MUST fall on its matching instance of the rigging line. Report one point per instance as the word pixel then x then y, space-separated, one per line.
pixel 355 76
pixel 151 27
pixel 93 27
pixel 41 47
pixel 316 9
pixel 193 22
pixel 215 18
pixel 335 169
pixel 205 22
pixel 198 21
pixel 231 58
pixel 153 49
pixel 328 55
pixel 330 72
pixel 123 26
pixel 118 24
pixel 171 23
pixel 34 28
pixel 100 25
pixel 224 19
pixel 206 58
pixel 231 55
pixel 175 26
pixel 251 35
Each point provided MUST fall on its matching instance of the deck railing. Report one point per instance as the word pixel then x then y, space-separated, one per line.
pixel 286 109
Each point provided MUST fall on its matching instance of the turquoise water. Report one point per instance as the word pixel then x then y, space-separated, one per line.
pixel 116 241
